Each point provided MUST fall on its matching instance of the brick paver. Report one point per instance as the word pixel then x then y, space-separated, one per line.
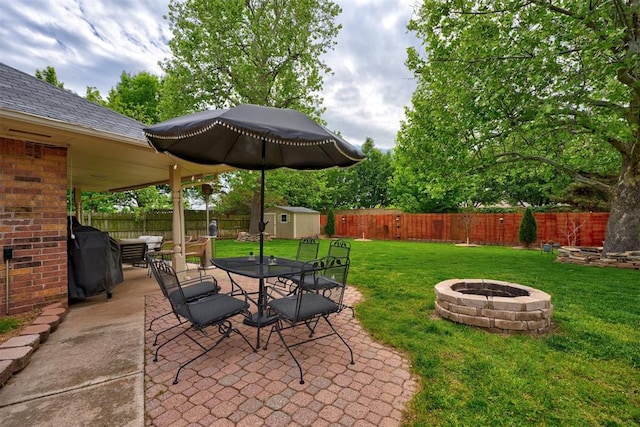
pixel 233 386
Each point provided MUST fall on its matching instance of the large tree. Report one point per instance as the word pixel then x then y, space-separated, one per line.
pixel 266 52
pixel 534 81
pixel 136 96
pixel 365 185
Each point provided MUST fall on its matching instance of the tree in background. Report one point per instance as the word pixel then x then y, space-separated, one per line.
pixel 366 184
pixel 535 81
pixel 230 52
pixel 136 96
pixel 93 95
pixel 330 226
pixel 528 229
pixel 266 52
pixel 49 75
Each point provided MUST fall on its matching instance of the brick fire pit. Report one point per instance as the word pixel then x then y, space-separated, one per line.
pixel 494 305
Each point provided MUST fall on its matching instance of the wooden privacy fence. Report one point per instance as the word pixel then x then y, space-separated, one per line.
pixel 569 229
pixel 131 226
pixel 572 229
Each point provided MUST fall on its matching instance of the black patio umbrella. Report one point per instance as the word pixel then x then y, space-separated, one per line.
pixel 256 138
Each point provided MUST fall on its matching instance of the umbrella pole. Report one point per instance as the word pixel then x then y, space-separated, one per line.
pixel 262 300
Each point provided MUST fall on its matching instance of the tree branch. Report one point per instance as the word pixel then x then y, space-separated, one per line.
pixel 513 156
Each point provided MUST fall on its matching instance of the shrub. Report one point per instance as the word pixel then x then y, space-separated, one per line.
pixel 528 231
pixel 330 227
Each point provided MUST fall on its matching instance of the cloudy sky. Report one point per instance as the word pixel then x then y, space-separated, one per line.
pixel 91 42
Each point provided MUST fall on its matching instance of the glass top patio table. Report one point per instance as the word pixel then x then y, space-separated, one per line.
pixel 251 267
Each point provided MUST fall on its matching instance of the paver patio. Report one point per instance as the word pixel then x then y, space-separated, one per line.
pixel 231 385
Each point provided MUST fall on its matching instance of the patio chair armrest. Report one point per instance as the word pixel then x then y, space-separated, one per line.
pixel 199 279
pixel 271 292
pixel 324 282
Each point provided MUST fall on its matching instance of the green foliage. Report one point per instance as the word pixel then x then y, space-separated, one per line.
pixel 229 52
pixel 237 196
pixel 136 97
pixel 528 229
pixel 521 82
pixel 330 226
pixel 49 75
pixel 93 95
pixel 8 324
pixel 299 188
pixel 364 185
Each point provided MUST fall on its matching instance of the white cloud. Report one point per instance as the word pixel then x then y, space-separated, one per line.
pixel 91 42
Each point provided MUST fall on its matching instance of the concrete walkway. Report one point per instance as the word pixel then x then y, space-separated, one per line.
pixel 90 371
pixel 96 369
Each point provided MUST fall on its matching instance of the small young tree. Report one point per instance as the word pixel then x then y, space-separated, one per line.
pixel 469 220
pixel 330 227
pixel 528 230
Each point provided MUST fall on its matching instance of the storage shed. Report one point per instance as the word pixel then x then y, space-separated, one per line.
pixel 291 222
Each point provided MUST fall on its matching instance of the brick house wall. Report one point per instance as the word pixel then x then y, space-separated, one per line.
pixel 33 192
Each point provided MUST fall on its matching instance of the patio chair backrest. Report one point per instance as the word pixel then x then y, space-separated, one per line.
pixel 339 248
pixel 337 269
pixel 308 249
pixel 153 266
pixel 171 288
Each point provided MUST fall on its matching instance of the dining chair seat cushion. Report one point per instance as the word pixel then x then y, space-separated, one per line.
pixel 209 310
pixel 311 305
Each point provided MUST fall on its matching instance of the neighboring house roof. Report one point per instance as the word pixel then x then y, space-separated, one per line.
pixel 106 150
pixel 295 209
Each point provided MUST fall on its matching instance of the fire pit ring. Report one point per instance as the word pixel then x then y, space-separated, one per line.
pixel 494 305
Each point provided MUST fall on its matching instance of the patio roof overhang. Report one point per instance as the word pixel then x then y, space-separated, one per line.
pixel 99 160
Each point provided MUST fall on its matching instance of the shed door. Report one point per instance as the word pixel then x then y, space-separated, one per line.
pixel 271 227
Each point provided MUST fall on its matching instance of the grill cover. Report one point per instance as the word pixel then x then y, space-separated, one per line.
pixel 93 261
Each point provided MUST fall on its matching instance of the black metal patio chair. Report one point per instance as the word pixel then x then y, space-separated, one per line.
pixel 215 310
pixel 308 248
pixel 318 300
pixel 339 248
pixel 193 289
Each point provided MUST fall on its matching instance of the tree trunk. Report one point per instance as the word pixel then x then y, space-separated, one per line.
pixel 255 212
pixel 623 228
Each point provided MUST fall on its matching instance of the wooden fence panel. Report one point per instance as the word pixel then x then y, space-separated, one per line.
pixel 130 226
pixel 582 229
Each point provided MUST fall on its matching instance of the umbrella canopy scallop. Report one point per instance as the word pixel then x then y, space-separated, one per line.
pixel 253 137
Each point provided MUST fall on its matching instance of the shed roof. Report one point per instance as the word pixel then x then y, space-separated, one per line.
pixel 296 209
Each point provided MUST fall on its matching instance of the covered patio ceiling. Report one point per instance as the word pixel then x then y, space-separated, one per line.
pixel 99 160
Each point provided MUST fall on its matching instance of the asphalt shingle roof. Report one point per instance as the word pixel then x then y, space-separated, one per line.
pixel 23 93
pixel 296 209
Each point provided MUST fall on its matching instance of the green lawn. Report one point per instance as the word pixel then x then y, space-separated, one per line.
pixel 585 373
